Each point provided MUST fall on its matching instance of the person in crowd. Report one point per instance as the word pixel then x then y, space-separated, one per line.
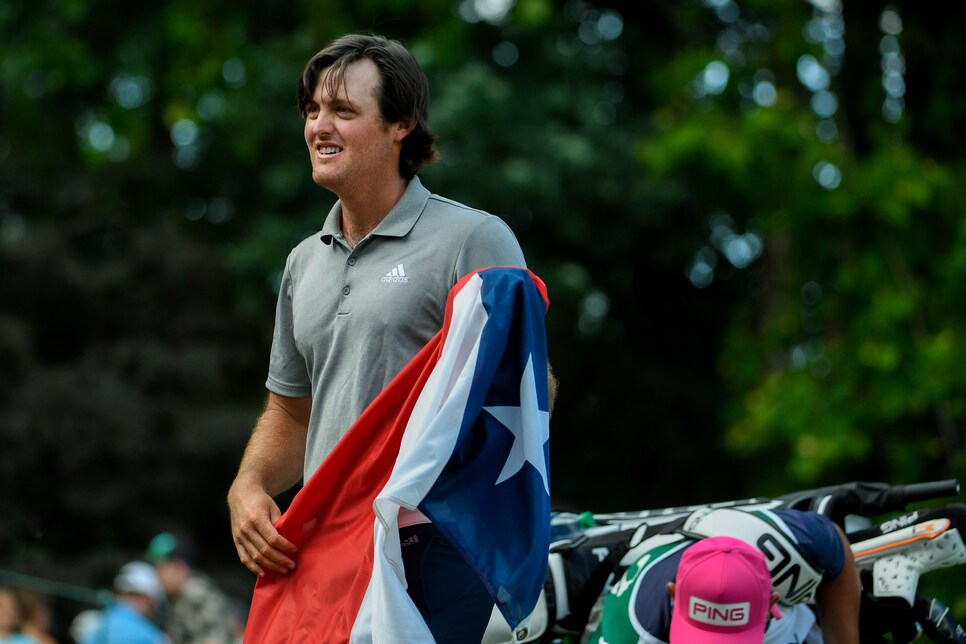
pixel 130 617
pixel 358 300
pixel 741 577
pixel 11 618
pixel 240 614
pixel 36 616
pixel 198 611
pixel 84 623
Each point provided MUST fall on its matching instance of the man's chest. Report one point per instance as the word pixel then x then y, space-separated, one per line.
pixel 392 295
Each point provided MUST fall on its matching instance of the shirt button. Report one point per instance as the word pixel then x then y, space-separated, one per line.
pixel 345 290
pixel 352 261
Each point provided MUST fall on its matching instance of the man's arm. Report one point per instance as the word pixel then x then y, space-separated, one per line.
pixel 272 463
pixel 837 602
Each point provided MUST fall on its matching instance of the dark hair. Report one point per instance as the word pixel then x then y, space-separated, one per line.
pixel 403 92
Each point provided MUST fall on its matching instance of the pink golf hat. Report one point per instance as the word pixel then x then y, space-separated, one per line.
pixel 722 594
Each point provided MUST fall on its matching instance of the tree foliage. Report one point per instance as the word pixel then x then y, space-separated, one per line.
pixel 748 217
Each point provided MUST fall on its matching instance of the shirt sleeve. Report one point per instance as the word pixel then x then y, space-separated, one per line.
pixel 489 243
pixel 287 372
pixel 819 540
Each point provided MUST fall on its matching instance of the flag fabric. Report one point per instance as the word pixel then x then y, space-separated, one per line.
pixel 462 434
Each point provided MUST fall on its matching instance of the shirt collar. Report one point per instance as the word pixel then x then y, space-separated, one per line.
pixel 397 223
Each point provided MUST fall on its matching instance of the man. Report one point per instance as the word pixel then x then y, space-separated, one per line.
pixel 722 590
pixel 198 611
pixel 700 584
pixel 129 619
pixel 11 618
pixel 358 301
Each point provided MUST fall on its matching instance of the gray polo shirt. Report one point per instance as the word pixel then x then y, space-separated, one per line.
pixel 349 319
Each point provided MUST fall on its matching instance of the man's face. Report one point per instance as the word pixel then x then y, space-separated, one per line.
pixel 173 574
pixel 350 145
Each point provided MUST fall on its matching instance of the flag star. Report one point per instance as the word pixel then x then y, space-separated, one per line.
pixel 530 426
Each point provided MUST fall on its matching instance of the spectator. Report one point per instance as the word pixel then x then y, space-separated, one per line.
pixel 198 611
pixel 11 617
pixel 240 619
pixel 36 616
pixel 84 623
pixel 129 619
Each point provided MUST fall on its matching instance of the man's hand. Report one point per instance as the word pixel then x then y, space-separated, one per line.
pixel 253 515
pixel 272 463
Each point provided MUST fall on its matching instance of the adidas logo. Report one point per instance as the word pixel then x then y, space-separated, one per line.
pixel 396 276
pixel 411 540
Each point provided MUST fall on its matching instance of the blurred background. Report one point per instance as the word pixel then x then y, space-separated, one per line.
pixel 748 214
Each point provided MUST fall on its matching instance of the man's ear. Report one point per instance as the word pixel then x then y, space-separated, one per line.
pixel 670 590
pixel 403 127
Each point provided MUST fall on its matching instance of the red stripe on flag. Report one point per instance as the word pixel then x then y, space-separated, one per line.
pixel 321 597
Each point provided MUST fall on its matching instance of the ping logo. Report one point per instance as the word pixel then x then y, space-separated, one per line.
pixel 899 522
pixel 396 276
pixel 706 612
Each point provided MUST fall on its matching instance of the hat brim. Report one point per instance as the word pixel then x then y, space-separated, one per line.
pixel 684 632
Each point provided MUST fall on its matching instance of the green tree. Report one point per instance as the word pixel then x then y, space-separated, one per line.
pixel 746 214
pixel 842 357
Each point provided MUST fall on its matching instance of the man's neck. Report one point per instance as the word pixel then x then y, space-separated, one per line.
pixel 365 209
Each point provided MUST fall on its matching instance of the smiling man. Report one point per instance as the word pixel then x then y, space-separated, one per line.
pixel 357 301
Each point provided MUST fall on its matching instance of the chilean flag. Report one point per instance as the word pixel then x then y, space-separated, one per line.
pixel 462 434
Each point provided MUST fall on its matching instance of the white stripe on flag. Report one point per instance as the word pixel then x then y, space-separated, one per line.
pixel 387 614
